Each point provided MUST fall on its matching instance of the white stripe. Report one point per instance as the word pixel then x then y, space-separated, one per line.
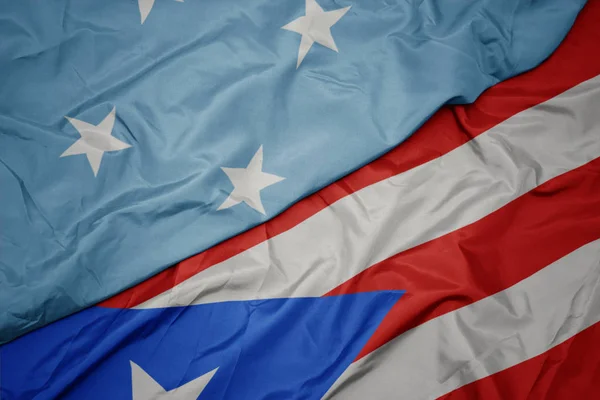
pixel 408 209
pixel 483 338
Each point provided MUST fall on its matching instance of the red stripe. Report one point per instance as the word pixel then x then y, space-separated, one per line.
pixel 575 61
pixel 487 256
pixel 570 370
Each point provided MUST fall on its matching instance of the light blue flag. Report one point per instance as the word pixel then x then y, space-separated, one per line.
pixel 134 134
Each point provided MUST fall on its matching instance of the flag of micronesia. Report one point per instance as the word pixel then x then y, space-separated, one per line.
pixel 135 134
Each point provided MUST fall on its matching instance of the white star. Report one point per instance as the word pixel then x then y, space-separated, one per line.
pixel 248 182
pixel 144 387
pixel 315 26
pixel 95 140
pixel 146 7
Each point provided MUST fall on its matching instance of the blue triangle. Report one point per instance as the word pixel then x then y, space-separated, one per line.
pixel 279 348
